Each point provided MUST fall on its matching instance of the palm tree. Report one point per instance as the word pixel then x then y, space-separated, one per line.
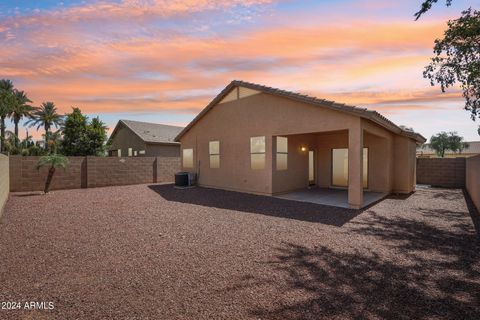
pixel 20 109
pixel 46 116
pixel 55 140
pixel 6 102
pixel 53 161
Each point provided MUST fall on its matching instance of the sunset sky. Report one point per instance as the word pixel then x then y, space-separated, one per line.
pixel 163 61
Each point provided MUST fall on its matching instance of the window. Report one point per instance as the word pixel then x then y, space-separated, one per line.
pixel 135 153
pixel 129 152
pixel 257 153
pixel 141 152
pixel 282 153
pixel 340 167
pixel 187 158
pixel 119 153
pixel 214 152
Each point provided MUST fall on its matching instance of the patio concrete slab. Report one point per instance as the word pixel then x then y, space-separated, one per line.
pixel 330 197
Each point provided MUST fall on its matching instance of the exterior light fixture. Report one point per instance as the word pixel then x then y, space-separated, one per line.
pixel 303 149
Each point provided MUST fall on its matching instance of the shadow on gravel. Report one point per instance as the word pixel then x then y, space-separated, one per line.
pixel 332 284
pixel 417 269
pixel 264 205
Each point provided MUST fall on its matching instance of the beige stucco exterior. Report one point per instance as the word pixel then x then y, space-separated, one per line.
pixel 391 163
pixel 126 138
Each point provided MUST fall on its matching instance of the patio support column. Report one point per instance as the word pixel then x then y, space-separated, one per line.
pixel 355 166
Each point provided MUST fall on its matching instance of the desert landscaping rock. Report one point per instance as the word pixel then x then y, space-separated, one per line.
pixel 155 252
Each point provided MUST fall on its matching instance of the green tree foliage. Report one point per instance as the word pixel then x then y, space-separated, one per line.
pixel 6 103
pixel 52 161
pixel 46 116
pixel 81 137
pixel 96 137
pixel 444 141
pixel 457 57
pixel 74 131
pixel 457 60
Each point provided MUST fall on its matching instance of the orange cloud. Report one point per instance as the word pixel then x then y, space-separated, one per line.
pixel 145 69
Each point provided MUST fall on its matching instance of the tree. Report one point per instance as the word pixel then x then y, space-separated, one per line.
pixel 53 161
pixel 96 137
pixel 427 5
pixel 74 130
pixel 20 109
pixel 81 137
pixel 444 141
pixel 45 116
pixel 457 57
pixel 6 102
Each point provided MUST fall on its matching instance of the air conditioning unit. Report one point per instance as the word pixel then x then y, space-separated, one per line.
pixel 185 179
pixel 192 179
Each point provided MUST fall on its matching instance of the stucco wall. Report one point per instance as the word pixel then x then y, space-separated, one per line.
pixel 234 122
pixel 161 150
pixel 391 157
pixel 4 181
pixel 404 171
pixel 473 179
pixel 124 139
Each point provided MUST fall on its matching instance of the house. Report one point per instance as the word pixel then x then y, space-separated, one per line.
pixel 473 149
pixel 135 138
pixel 257 139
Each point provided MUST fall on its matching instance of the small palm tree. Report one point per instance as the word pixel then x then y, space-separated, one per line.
pixel 46 116
pixel 53 161
pixel 20 109
pixel 6 102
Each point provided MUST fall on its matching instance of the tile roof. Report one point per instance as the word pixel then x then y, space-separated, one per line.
pixel 361 112
pixel 473 148
pixel 151 132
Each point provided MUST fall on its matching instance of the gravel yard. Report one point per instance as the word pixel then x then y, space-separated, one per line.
pixel 155 252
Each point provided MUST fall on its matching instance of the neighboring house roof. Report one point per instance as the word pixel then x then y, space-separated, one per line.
pixel 371 115
pixel 473 148
pixel 150 132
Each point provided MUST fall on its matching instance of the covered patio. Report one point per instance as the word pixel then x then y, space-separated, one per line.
pixel 344 168
pixel 330 197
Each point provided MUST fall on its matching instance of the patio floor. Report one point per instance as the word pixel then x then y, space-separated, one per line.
pixel 330 197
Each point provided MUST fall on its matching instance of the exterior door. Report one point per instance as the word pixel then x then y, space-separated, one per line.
pixel 311 167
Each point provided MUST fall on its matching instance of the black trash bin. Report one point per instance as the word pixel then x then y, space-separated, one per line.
pixel 181 179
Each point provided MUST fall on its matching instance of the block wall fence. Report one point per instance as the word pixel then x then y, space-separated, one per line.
pixel 441 172
pixel 4 181
pixel 90 172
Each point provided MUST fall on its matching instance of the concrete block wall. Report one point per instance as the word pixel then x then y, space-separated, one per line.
pixel 166 168
pixel 441 172
pixel 24 175
pixel 114 171
pixel 90 172
pixel 473 179
pixel 4 181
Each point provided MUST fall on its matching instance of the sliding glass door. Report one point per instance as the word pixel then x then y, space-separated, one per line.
pixel 340 167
